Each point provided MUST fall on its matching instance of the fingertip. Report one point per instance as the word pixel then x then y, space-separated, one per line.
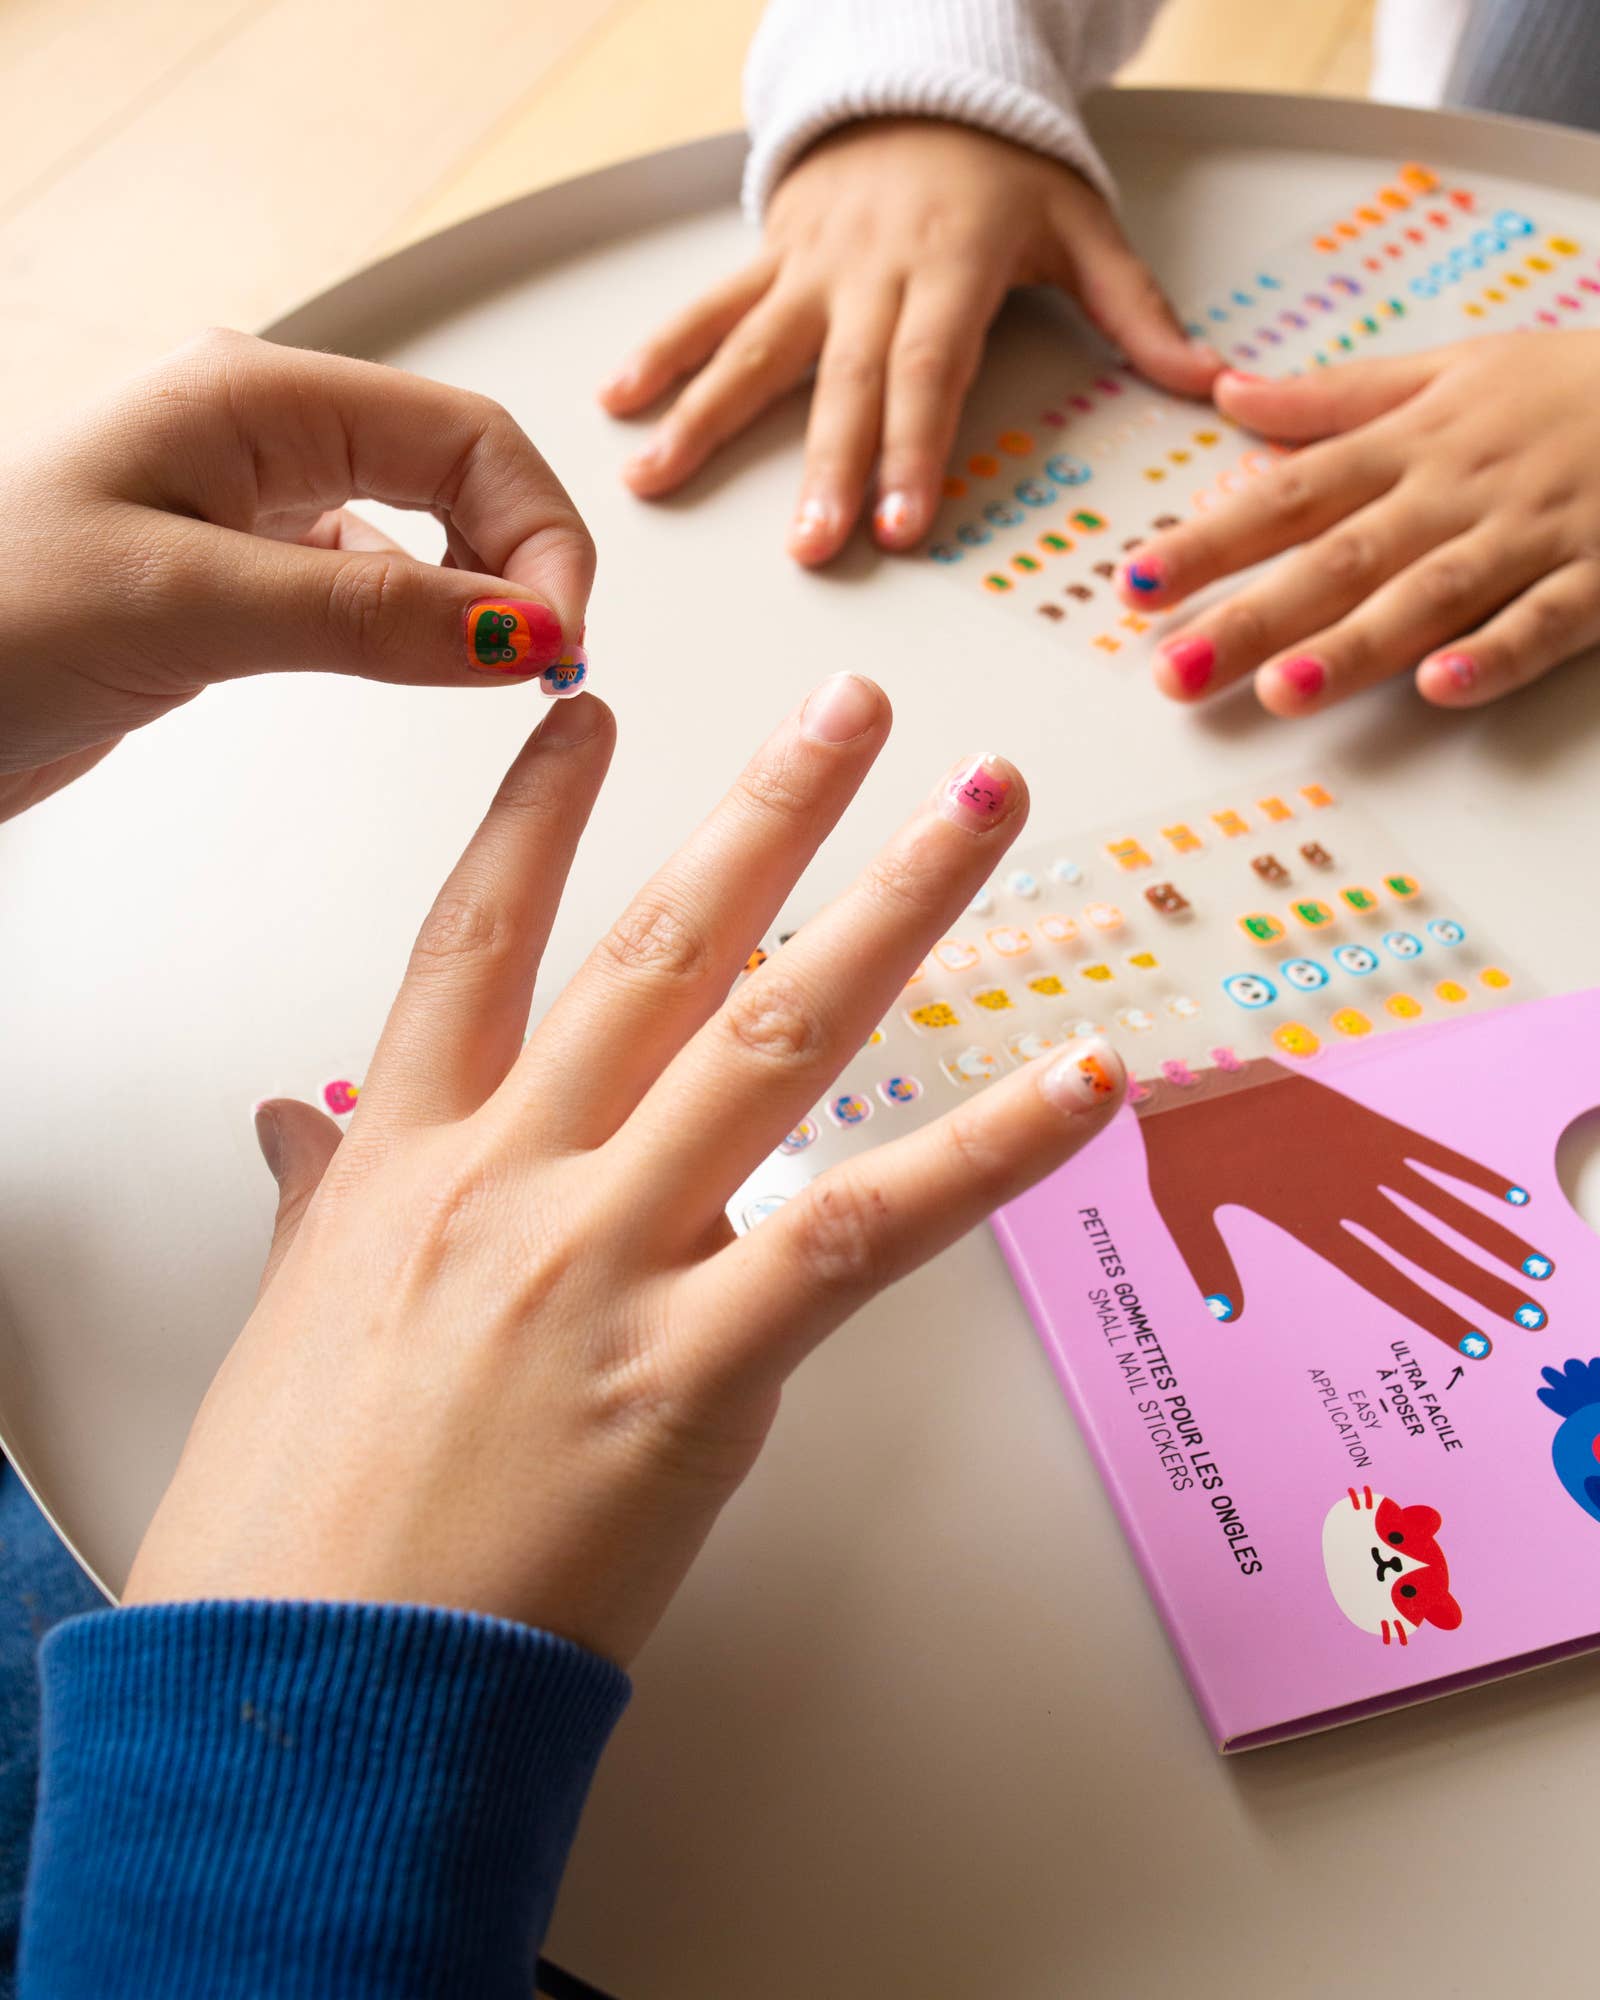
pixel 657 468
pixel 1183 367
pixel 1185 666
pixel 1449 680
pixel 818 530
pixel 1086 1077
pixel 902 516
pixel 1291 687
pixel 1143 580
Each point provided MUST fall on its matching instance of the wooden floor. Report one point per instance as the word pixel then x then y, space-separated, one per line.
pixel 174 163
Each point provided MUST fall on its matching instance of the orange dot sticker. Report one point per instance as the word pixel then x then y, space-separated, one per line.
pixel 1275 809
pixel 982 466
pixel 1451 992
pixel 1351 1021
pixel 1017 443
pixel 1295 1039
pixel 1494 978
pixel 1316 795
pixel 1402 1006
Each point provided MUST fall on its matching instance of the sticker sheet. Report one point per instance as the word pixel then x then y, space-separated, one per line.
pixel 1331 1341
pixel 1046 497
pixel 1281 920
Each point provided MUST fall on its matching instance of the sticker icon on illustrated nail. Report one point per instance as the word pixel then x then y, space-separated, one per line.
pixel 849 1109
pixel 1249 989
pixel 567 676
pixel 340 1096
pixel 1530 1316
pixel 507 637
pixel 899 1090
pixel 1219 1305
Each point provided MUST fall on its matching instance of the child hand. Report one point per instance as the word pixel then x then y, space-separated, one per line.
pixel 890 247
pixel 1456 524
pixel 508 1355
pixel 189 531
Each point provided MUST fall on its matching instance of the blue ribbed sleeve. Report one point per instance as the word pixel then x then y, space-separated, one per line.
pixel 290 1800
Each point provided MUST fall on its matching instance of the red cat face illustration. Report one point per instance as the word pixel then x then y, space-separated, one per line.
pixel 1385 1567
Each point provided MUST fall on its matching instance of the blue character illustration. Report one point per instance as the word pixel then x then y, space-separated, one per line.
pixel 944 552
pixel 1002 513
pixel 974 534
pixel 1067 470
pixel 1035 493
pixel 1574 1395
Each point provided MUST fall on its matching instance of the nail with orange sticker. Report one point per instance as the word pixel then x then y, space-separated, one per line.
pixel 1451 992
pixel 1275 809
pixel 1230 823
pixel 1127 853
pixel 1495 978
pixel 1402 1006
pixel 1295 1039
pixel 1351 1021
pixel 1317 795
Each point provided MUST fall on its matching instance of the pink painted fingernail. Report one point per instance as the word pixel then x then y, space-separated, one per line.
pixel 840 709
pixel 1192 660
pixel 1307 676
pixel 898 516
pixel 977 792
pixel 511 636
pixel 1461 667
pixel 1083 1077
pixel 1146 575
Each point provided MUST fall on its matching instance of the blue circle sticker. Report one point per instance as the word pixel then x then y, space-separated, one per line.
pixel 1219 1305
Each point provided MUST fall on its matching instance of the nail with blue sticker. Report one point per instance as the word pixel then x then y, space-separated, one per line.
pixel 1146 575
pixel 1518 1197
pixel 1219 1305
pixel 1531 1316
pixel 1473 1345
pixel 1537 1265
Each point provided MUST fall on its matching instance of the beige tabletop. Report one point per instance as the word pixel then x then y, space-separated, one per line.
pixel 912 1727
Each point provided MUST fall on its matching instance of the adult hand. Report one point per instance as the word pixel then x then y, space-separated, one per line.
pixel 190 530
pixel 889 249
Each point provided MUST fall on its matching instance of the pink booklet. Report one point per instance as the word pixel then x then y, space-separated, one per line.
pixel 1333 1335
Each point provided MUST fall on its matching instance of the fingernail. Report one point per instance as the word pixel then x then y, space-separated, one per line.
pixel 567 723
pixel 1461 667
pixel 1241 375
pixel 978 791
pixel 813 520
pixel 566 678
pixel 898 516
pixel 650 458
pixel 1084 1077
pixel 1305 675
pixel 268 1137
pixel 1538 1265
pixel 508 636
pixel 1193 660
pixel 841 709
pixel 1145 574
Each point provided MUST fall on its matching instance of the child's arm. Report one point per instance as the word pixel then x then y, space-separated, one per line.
pixel 913 162
pixel 1450 523
pixel 508 1360
pixel 192 530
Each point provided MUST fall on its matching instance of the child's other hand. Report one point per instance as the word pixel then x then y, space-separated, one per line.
pixel 1453 528
pixel 508 1355
pixel 190 530
pixel 890 248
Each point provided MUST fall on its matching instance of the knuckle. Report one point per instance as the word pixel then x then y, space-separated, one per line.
pixel 975 1158
pixel 775 786
pixel 849 368
pixel 1353 650
pixel 657 939
pixel 1241 630
pixel 1289 493
pixel 1345 560
pixel 1549 621
pixel 769 1018
pixel 926 363
pixel 373 596
pixel 901 882
pixel 1446 583
pixel 462 928
pixel 838 1227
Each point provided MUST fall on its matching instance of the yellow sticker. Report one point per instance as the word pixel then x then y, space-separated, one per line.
pixel 1493 976
pixel 1183 838
pixel 1451 991
pixel 1316 795
pixel 935 1014
pixel 1127 853
pixel 1098 972
pixel 1403 1007
pixel 1351 1021
pixel 995 998
pixel 1295 1039
pixel 1145 960
pixel 1047 983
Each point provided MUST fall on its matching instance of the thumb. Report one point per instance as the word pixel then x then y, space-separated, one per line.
pixel 1122 296
pixel 1303 407
pixel 297 1142
pixel 261 606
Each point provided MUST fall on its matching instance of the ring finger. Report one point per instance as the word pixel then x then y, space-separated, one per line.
pixel 1551 623
pixel 1433 600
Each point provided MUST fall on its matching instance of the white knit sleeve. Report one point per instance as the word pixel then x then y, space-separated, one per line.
pixel 1014 67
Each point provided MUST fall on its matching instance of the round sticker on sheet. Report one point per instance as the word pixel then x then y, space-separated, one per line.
pixel 1357 959
pixel 1445 930
pixel 1403 944
pixel 1304 973
pixel 1249 989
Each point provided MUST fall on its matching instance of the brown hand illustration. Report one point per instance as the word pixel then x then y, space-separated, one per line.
pixel 1319 1165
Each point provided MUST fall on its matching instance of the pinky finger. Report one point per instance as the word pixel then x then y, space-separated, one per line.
pixel 773 1295
pixel 1547 625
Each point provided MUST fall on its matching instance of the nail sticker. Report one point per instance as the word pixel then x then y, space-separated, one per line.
pixel 1270 868
pixel 1017 444
pixel 1067 470
pixel 1178 1072
pixel 1275 809
pixel 511 637
pixel 1164 897
pixel 1104 916
pixel 982 904
pixel 934 1014
pixel 756 959
pixel 1230 823
pixel 974 1065
pixel 995 999
pixel 1026 563
pixel 1317 795
pixel 1029 1044
pixel 1402 887
pixel 1034 492
pixel 1518 1197
pixel 1135 1020
pixel 1356 959
pixel 978 791
pixel 956 955
pixel 803 1135
pixel 1022 884
pixel 1182 1008
pixel 1009 941
pixel 849 1110
pixel 1296 1039
pixel 1052 611
pixel 899 1090
pixel 1056 545
pixel 983 466
pixel 1091 523
pixel 1066 870
pixel 1183 839
pixel 944 552
pixel 1058 929
pixel 1100 972
pixel 1403 1007
pixel 1249 990
pixel 996 582
pixel 1219 1305
pixel 1351 1021
pixel 1493 976
pixel 1225 1058
pixel 1316 854
pixel 1128 854
pixel 974 534
pixel 340 1096
pixel 1360 900
pixel 1143 961
pixel 1402 944
pixel 1473 1346
pixel 1001 514
pixel 1079 592
pixel 1450 992
pixel 1261 927
pixel 1535 1265
pixel 1445 930
pixel 1050 984
pixel 1305 973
